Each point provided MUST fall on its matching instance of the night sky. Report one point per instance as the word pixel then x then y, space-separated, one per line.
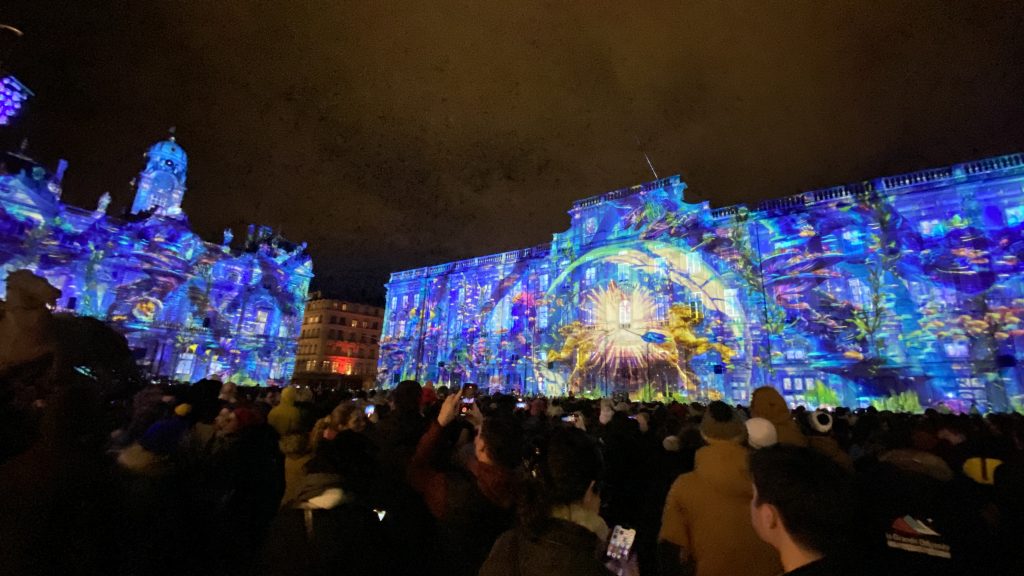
pixel 396 135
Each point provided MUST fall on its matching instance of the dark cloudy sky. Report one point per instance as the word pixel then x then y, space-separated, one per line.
pixel 397 135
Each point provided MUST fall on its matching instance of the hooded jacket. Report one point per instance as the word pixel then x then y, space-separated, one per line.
pixel 285 417
pixel 767 403
pixel 707 514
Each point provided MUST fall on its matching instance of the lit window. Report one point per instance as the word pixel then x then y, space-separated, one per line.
pixel 933 227
pixel 260 325
pixel 1014 215
pixel 693 262
pixel 542 316
pixel 625 313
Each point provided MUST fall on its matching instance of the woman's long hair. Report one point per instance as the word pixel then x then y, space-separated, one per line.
pixel 560 473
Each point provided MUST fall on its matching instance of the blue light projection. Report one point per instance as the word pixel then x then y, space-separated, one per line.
pixel 902 292
pixel 188 308
pixel 13 95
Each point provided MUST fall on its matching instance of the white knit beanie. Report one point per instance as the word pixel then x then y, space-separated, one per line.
pixel 761 433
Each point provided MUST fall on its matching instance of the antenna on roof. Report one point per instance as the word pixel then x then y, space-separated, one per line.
pixel 646 157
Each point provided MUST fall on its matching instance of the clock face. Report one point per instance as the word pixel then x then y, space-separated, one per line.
pixel 164 183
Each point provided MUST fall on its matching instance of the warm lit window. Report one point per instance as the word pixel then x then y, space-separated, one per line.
pixel 625 313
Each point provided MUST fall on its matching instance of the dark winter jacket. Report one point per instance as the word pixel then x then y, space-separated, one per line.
pixel 473 505
pixel 325 531
pixel 562 548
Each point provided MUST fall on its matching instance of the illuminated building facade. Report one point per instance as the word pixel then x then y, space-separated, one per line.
pixel 13 96
pixel 189 308
pixel 899 291
pixel 338 344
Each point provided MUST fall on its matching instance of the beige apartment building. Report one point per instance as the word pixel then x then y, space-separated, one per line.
pixel 338 343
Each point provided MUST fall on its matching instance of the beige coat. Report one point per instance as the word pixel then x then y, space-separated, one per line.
pixel 707 513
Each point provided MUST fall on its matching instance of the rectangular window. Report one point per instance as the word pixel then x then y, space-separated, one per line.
pixel 260 325
pixel 787 384
pixel 544 280
pixel 730 302
pixel 693 263
pixel 542 316
pixel 355 323
pixel 184 369
pixel 1014 215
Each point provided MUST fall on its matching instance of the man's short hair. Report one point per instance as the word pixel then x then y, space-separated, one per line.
pixel 813 494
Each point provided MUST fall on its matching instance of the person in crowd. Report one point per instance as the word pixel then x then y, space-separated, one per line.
pixel 803 507
pixel 328 527
pixel 347 415
pixel 63 507
pixel 560 529
pixel 285 417
pixel 705 527
pixel 297 451
pixel 396 435
pixel 472 500
pixel 228 393
pixel 819 422
pixel 767 403
pixel 241 483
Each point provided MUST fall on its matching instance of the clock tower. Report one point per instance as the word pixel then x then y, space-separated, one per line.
pixel 161 185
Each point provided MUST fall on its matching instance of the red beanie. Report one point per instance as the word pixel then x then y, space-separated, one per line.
pixel 247 417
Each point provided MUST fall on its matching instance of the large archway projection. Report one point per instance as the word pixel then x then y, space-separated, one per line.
pixel 901 292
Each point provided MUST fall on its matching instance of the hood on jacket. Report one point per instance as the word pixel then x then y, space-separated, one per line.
pixel 722 465
pixel 288 396
pixel 767 403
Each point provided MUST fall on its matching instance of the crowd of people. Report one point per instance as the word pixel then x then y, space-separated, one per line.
pixel 212 479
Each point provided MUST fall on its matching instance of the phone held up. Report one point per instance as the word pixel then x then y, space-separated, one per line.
pixel 369 410
pixel 469 391
pixel 620 543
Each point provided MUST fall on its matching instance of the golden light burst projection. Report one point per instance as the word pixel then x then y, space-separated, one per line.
pixel 617 321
